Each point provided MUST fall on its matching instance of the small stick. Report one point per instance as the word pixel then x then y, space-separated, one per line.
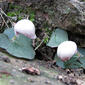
pixel 9 18
pixel 2 25
pixel 40 42
pixel 4 13
pixel 4 20
pixel 39 45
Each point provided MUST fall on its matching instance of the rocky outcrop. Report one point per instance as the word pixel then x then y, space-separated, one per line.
pixel 66 14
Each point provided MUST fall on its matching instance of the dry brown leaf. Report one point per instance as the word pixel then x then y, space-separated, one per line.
pixel 31 70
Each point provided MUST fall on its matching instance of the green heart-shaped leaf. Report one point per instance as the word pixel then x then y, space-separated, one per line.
pixel 4 41
pixel 20 47
pixel 58 36
pixel 9 32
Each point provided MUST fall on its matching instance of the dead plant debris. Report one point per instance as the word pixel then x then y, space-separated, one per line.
pixel 31 70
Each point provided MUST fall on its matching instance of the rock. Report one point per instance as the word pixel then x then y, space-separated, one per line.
pixel 5 59
pixel 66 14
pixel 80 82
pixel 15 77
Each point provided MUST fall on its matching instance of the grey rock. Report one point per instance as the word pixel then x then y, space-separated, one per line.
pixel 66 14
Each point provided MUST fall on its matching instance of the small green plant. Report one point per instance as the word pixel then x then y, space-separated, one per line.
pixel 48 31
pixel 74 62
pixel 11 6
pixel 77 61
pixel 32 16
pixel 20 17
pixel 17 10
pixel 58 36
pixel 11 14
pixel 46 40
pixel 21 47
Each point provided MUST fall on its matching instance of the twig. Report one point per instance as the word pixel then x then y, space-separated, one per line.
pixel 4 20
pixel 9 18
pixel 39 45
pixel 4 13
pixel 41 42
pixel 2 25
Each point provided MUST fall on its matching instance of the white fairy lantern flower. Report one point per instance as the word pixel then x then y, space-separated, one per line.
pixel 66 50
pixel 25 27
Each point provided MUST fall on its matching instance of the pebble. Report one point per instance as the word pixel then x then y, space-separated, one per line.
pixel 48 82
pixel 12 81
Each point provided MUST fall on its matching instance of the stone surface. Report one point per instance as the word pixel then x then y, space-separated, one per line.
pixel 66 14
pixel 11 75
